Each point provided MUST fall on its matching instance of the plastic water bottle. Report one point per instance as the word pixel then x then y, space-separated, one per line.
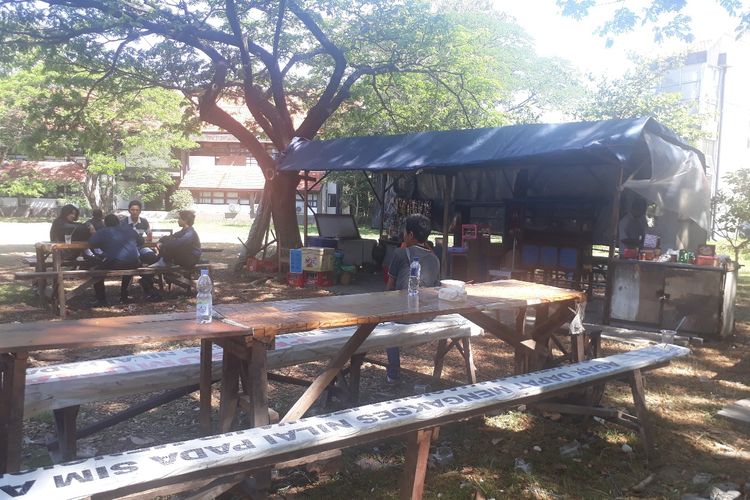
pixel 415 270
pixel 204 300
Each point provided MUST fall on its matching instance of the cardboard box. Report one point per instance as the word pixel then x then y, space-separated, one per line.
pixel 317 259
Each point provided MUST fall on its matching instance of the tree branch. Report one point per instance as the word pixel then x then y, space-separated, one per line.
pixel 212 113
pixel 325 106
pixel 267 117
pixel 279 25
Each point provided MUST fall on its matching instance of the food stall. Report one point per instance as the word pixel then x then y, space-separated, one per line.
pixel 535 198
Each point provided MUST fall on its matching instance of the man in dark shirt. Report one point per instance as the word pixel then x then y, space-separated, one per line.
pixel 183 247
pixel 119 244
pixel 143 228
pixel 135 221
pixel 416 230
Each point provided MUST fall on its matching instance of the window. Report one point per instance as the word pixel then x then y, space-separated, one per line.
pixel 232 197
pixel 204 197
pixel 332 200
pixel 697 57
pixel 244 198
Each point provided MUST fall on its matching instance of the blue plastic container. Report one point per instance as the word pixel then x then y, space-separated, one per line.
pixel 295 260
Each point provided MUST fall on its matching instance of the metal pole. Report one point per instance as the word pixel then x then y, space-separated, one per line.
pixel 447 200
pixel 383 180
pixel 304 207
pixel 614 222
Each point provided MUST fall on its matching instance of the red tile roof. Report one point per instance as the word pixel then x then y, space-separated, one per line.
pixel 60 171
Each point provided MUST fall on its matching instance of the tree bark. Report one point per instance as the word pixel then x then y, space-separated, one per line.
pixel 278 200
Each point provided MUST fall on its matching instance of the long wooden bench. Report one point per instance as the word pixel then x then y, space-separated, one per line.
pixel 63 388
pixel 172 275
pixel 212 465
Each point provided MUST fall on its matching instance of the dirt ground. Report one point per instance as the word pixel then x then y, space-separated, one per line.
pixel 684 398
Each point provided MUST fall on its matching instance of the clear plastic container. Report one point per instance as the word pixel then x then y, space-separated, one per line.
pixel 667 336
pixel 415 271
pixel 204 299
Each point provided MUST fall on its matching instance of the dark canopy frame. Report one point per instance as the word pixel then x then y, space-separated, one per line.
pixel 593 160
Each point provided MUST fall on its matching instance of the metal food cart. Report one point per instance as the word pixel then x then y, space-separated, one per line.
pixel 660 294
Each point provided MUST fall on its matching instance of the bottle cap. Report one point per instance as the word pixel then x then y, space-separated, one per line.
pixel 415 259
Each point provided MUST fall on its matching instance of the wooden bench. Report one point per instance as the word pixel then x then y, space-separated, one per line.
pixel 172 275
pixel 212 465
pixel 63 388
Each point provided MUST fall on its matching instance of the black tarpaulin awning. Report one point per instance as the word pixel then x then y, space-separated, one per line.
pixel 582 160
pixel 609 142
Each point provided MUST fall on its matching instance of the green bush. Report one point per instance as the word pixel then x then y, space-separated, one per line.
pixel 181 199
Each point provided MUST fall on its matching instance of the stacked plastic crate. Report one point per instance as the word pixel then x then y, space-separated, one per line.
pixel 310 266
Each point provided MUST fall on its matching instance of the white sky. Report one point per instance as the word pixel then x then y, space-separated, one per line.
pixel 576 41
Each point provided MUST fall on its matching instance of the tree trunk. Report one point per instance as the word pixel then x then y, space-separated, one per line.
pixel 91 190
pixel 252 204
pixel 285 210
pixel 278 199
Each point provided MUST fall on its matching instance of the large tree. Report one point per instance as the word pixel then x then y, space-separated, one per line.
pixel 292 62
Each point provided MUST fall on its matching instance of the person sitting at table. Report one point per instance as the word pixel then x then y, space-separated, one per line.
pixel 96 222
pixel 94 256
pixel 183 247
pixel 119 244
pixel 143 228
pixel 65 224
pixel 416 230
pixel 135 221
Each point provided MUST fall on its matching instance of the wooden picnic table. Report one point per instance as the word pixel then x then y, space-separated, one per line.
pixel 57 249
pixel 246 332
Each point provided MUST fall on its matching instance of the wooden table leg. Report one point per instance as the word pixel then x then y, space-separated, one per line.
pixel 471 370
pixel 258 383
pixel 41 283
pixel 257 389
pixel 12 393
pixel 355 371
pixel 206 378
pixel 442 350
pixel 415 468
pixel 59 282
pixel 67 440
pixel 332 370
pixel 519 357
pixel 230 390
pixel 639 400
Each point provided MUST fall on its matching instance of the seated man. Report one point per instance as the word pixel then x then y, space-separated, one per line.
pixel 143 228
pixel 183 247
pixel 417 228
pixel 119 245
